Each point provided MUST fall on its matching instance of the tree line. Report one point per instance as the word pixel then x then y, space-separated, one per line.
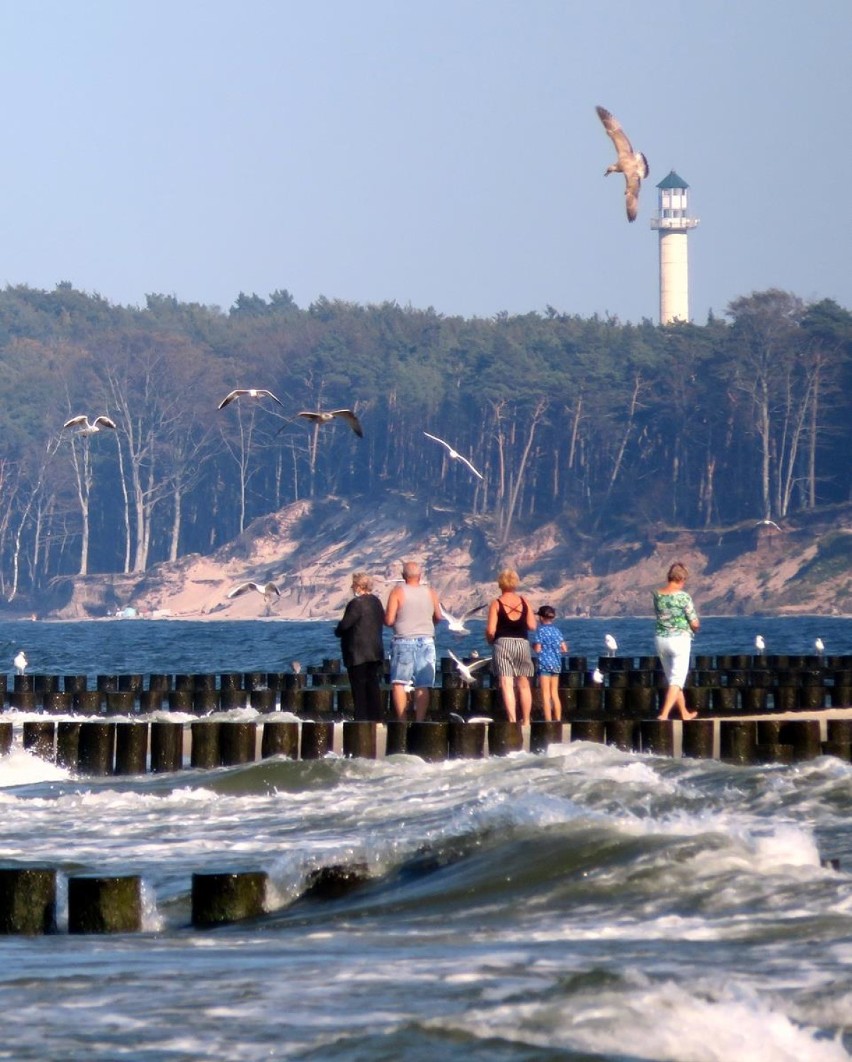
pixel 598 425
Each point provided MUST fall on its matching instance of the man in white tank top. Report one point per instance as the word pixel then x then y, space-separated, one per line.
pixel 412 610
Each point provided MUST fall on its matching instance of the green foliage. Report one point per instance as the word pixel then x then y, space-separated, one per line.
pixel 635 426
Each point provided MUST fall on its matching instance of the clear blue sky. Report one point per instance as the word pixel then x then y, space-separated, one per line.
pixel 439 153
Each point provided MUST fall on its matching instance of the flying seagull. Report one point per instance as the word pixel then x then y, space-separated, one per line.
pixel 767 523
pixel 252 392
pixel 87 427
pixel 632 164
pixel 457 625
pixel 324 416
pixel 454 454
pixel 611 644
pixel 467 670
pixel 20 662
pixel 269 590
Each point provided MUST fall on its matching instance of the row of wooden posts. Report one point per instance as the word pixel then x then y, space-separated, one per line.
pixel 103 748
pixel 113 904
pixel 622 687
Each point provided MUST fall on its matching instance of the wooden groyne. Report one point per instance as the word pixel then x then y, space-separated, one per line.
pixel 764 709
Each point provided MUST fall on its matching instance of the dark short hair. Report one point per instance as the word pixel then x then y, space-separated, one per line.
pixel 547 612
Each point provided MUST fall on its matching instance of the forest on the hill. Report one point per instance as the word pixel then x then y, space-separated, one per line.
pixel 590 422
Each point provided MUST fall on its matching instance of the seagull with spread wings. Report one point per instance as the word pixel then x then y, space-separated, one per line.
pixel 454 454
pixel 87 427
pixel 466 671
pixel 325 416
pixel 268 590
pixel 632 164
pixel 251 392
pixel 457 625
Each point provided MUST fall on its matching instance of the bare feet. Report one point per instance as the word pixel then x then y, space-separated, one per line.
pixel 690 715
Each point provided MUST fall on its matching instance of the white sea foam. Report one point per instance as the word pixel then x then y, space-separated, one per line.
pixel 662 1022
pixel 20 767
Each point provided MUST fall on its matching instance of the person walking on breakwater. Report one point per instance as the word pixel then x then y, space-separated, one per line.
pixel 412 610
pixel 507 629
pixel 360 634
pixel 676 622
pixel 549 645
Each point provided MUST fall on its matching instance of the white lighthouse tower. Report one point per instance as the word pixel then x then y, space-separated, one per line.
pixel 673 224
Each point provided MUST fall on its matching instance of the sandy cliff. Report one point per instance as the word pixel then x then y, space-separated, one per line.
pixel 310 548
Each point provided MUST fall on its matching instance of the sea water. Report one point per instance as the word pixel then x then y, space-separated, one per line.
pixel 583 904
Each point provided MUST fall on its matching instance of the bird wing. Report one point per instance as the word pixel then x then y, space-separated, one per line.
pixel 616 134
pixel 230 397
pixel 477 664
pixel 475 471
pixel 310 416
pixel 81 419
pixel 437 440
pixel 269 394
pixel 631 194
pixel 454 658
pixel 351 420
pixel 476 608
pixel 243 588
pixel 106 421
pixel 271 588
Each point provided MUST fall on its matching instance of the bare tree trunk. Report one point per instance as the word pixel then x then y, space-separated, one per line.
pixel 82 465
pixel 541 406
pixel 625 437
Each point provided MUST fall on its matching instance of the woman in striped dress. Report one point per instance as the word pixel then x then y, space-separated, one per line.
pixel 510 621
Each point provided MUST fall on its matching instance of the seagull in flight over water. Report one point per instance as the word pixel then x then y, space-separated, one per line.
pixel 324 416
pixel 632 164
pixel 454 454
pixel 88 427
pixel 251 392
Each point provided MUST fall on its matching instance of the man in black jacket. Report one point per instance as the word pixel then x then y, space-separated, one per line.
pixel 360 634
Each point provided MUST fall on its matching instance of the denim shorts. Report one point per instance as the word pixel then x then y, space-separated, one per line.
pixel 413 661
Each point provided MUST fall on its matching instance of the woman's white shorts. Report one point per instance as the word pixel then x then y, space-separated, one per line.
pixel 673 651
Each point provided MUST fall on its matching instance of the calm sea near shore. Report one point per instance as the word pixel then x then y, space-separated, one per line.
pixel 585 904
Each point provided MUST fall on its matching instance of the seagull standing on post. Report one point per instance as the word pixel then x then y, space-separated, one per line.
pixel 611 645
pixel 632 164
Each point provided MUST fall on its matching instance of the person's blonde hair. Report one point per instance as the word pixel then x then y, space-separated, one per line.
pixel 678 573
pixel 362 581
pixel 508 579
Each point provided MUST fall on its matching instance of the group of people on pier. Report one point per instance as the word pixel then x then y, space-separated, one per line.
pixel 512 629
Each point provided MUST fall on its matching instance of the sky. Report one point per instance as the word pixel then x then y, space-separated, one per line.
pixel 434 153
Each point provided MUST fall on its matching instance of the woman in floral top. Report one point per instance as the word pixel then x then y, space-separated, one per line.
pixel 677 621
